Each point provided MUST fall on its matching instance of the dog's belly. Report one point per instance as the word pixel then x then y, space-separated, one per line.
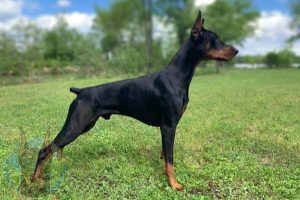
pixel 148 119
pixel 146 114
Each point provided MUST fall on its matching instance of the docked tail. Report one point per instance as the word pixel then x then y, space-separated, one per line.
pixel 75 90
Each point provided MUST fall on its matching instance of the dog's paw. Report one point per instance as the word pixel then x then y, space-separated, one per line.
pixel 176 186
pixel 61 158
pixel 38 181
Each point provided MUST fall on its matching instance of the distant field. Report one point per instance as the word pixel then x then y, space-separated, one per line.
pixel 238 139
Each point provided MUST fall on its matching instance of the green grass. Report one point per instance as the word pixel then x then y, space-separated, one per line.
pixel 239 139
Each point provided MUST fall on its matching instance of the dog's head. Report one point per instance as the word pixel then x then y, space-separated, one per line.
pixel 209 44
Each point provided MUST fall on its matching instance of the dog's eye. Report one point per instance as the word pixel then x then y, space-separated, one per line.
pixel 214 43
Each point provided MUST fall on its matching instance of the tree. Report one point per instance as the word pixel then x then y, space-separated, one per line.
pixel 250 59
pixel 126 22
pixel 64 45
pixel 149 32
pixel 86 53
pixel 295 23
pixel 120 23
pixel 283 58
pixel 8 54
pixel 28 39
pixel 60 42
pixel 272 59
pixel 20 48
pixel 180 13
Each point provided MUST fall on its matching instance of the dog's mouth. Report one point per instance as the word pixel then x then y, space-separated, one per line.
pixel 222 59
pixel 224 54
pixel 227 56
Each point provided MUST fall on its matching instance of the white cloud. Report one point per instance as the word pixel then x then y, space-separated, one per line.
pixel 203 3
pixel 45 21
pixel 272 31
pixel 273 25
pixel 79 21
pixel 64 3
pixel 10 9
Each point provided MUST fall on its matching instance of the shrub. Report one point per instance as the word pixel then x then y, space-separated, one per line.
pixel 283 58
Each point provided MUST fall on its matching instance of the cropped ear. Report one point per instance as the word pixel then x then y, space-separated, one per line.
pixel 197 28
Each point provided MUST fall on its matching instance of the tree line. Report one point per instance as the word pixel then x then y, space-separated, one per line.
pixel 282 59
pixel 121 38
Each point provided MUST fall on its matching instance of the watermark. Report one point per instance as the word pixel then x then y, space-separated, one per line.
pixel 19 167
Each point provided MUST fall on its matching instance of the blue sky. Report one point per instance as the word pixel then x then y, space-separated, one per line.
pixel 51 6
pixel 270 5
pixel 272 29
pixel 39 7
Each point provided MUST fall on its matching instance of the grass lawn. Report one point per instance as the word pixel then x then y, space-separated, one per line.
pixel 239 139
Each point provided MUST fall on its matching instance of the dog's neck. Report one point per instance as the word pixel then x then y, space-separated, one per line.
pixel 183 64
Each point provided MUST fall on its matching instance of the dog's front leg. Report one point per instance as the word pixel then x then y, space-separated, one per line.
pixel 168 137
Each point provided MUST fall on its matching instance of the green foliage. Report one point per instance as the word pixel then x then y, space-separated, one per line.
pixel 123 21
pixel 68 46
pixel 231 19
pixel 283 58
pixel 60 42
pixel 86 53
pixel 27 49
pixel 250 59
pixel 132 58
pixel 238 139
pixel 9 54
pixel 128 59
pixel 28 37
pixel 272 59
pixel 20 48
pixel 181 13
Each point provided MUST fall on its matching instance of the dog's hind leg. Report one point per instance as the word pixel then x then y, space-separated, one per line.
pixel 81 118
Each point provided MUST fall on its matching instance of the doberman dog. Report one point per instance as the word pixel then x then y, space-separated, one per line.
pixel 159 99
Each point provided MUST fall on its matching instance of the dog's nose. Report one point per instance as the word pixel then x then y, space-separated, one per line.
pixel 235 51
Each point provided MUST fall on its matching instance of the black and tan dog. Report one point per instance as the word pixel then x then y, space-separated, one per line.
pixel 158 100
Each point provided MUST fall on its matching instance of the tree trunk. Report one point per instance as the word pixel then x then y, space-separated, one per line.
pixel 219 64
pixel 149 30
pixel 181 35
pixel 181 39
